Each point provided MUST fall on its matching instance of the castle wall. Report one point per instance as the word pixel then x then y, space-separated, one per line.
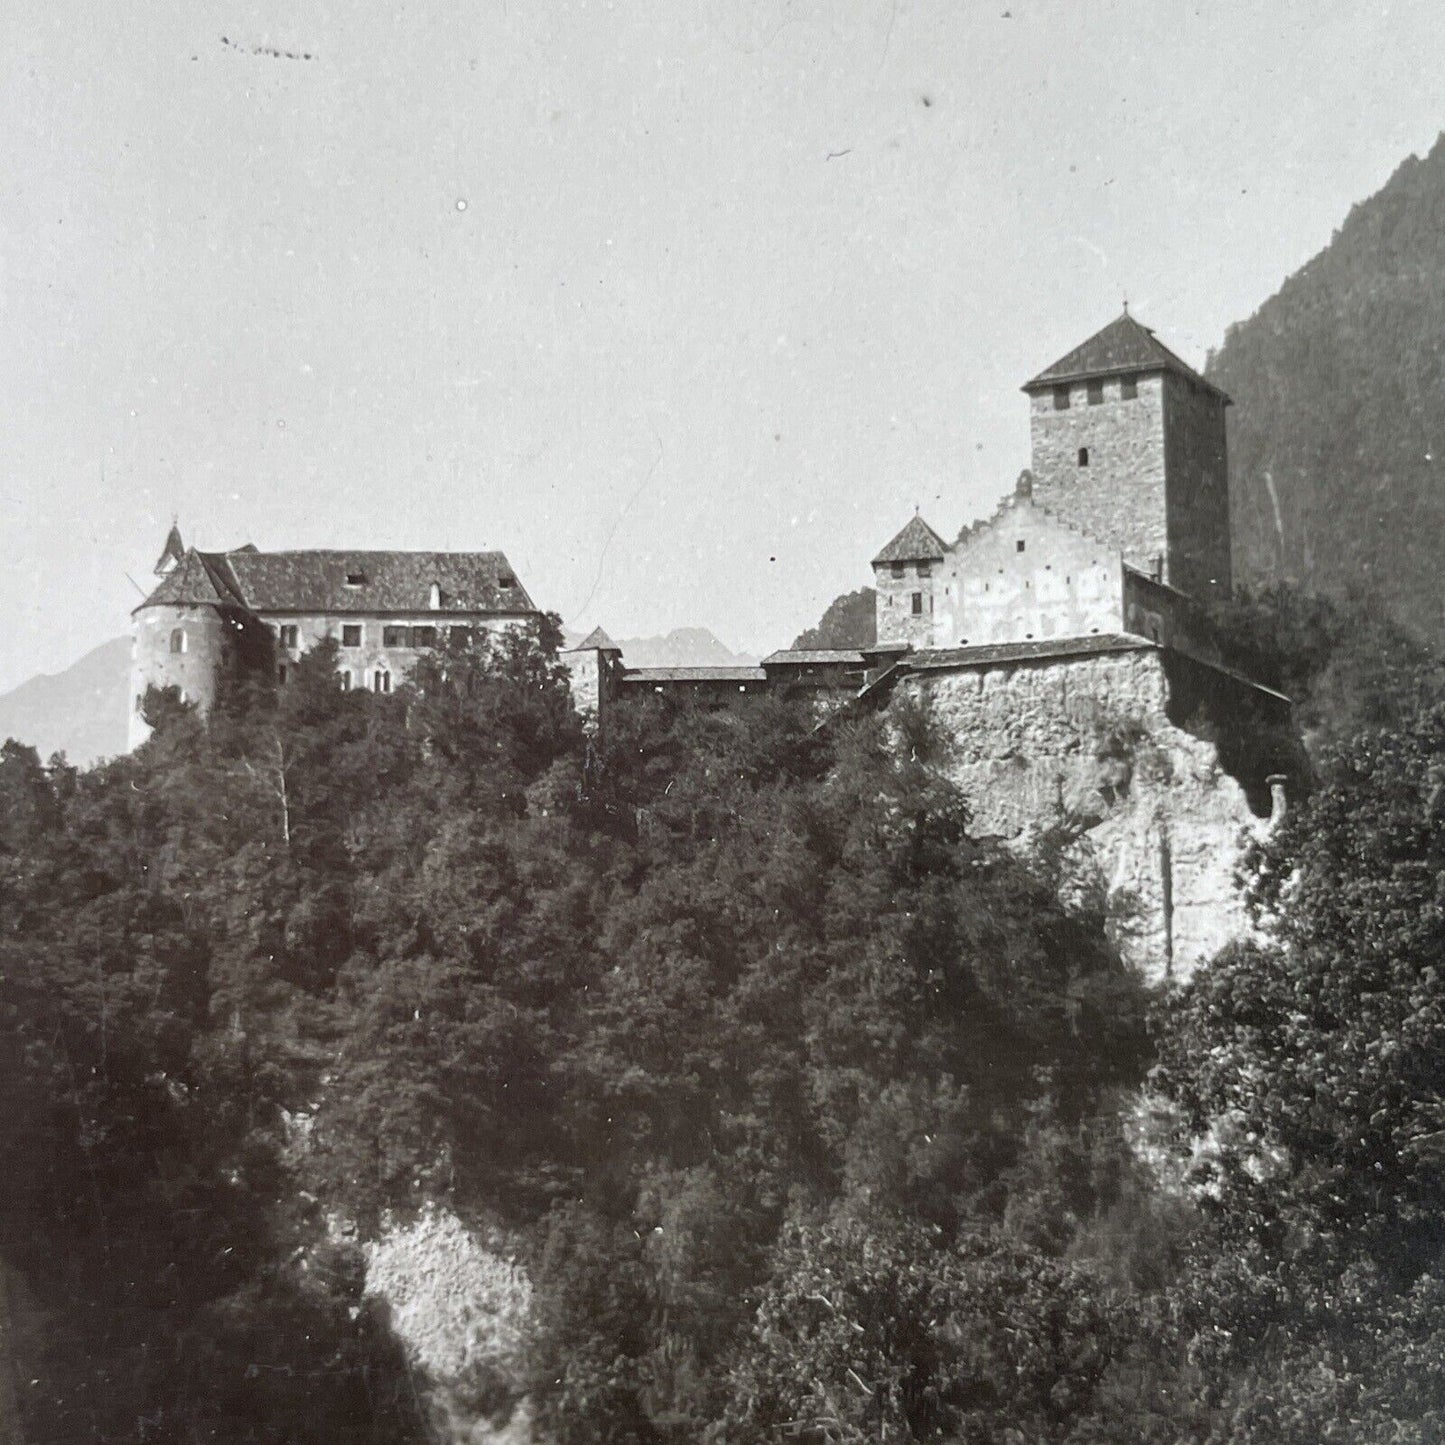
pixel 1148 825
pixel 193 669
pixel 1195 446
pixel 1022 576
pixel 1119 496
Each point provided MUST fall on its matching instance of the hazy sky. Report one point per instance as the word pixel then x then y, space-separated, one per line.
pixel 682 303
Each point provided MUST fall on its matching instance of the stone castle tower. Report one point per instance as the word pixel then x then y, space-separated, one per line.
pixel 1120 526
pixel 1128 446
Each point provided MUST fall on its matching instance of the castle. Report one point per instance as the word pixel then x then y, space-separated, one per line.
pixel 216 611
pixel 1062 642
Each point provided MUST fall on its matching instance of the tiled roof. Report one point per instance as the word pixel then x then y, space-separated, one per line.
pixel 470 582
pixel 190 583
pixel 596 641
pixel 694 674
pixel 936 659
pixel 917 542
pixel 806 657
pixel 1123 347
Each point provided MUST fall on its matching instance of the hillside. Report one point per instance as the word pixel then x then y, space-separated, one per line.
pixel 1337 436
pixel 80 711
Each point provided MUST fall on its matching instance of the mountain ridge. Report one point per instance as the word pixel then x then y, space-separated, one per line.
pixel 1337 437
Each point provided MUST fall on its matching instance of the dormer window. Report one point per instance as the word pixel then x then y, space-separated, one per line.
pixel 435 600
pixel 506 582
pixel 356 579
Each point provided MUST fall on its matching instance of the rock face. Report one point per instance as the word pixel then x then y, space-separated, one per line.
pixel 1087 757
pixel 461 1307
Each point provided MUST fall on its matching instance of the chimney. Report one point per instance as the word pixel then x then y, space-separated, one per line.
pixel 1277 799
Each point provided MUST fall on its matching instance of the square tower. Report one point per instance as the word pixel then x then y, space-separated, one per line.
pixel 1128 446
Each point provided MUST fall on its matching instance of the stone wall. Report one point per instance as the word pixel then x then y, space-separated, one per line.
pixel 895 585
pixel 1083 751
pixel 371 656
pixel 1023 576
pixel 175 646
pixel 1118 497
pixel 1198 560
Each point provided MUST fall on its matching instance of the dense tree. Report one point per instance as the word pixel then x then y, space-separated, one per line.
pixel 1313 1062
pixel 850 621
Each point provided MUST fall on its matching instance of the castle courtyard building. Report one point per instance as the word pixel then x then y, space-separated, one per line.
pixel 217 611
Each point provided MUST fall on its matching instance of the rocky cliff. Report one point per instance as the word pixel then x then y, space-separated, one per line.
pixel 1088 760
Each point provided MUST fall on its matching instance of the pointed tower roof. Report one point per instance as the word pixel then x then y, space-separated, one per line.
pixel 597 641
pixel 917 542
pixel 1123 347
pixel 171 553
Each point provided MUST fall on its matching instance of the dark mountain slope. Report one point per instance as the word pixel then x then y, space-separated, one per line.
pixel 1337 437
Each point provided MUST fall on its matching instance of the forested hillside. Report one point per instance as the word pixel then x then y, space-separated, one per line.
pixel 812 1117
pixel 1337 435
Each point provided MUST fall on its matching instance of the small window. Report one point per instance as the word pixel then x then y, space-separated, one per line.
pixel 506 583
pixel 897 569
pixel 1061 398
pixel 1129 388
pixel 435 600
pixel 423 637
pixel 345 677
pixel 918 604
pixel 395 637
pixel 356 579
pixel 1083 456
pixel 281 675
pixel 1019 545
pixel 288 635
pixel 381 680
pixel 178 640
pixel 461 636
pixel 925 569
pixel 1096 392
pixel 351 634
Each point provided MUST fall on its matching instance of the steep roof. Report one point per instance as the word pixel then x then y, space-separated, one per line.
pixel 192 582
pixel 596 641
pixel 172 553
pixel 917 542
pixel 1123 347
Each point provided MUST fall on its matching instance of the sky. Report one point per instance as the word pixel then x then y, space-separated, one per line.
pixel 683 304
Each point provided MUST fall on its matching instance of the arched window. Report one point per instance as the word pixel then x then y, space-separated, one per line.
pixel 381 681
pixel 178 639
pixel 1083 456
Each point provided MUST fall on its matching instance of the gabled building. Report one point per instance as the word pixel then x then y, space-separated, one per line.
pixel 1121 521
pixel 213 611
